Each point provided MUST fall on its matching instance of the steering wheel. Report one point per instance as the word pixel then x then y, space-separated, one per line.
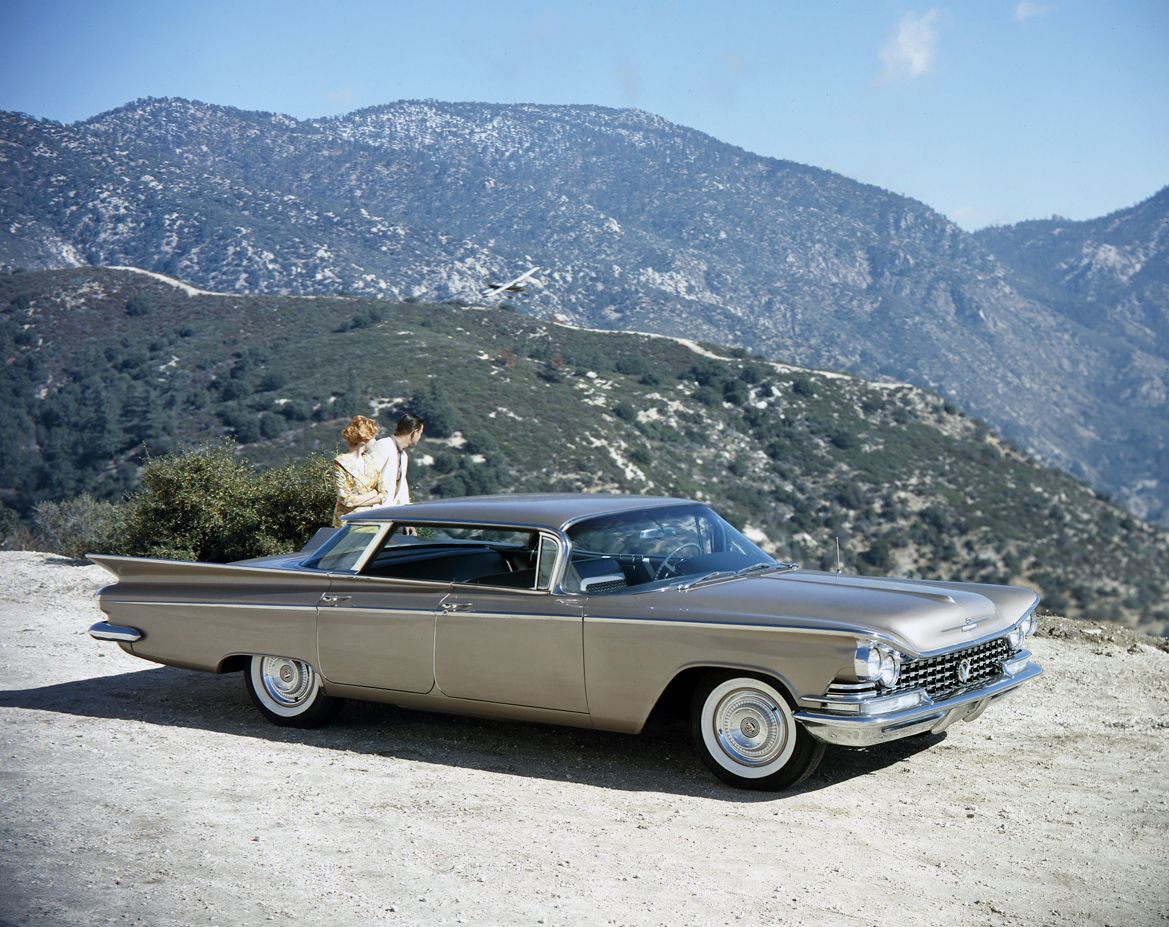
pixel 667 567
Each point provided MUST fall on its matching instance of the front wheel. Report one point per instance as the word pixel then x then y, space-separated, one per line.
pixel 746 733
pixel 288 692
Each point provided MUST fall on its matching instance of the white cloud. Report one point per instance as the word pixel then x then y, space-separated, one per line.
pixel 1027 9
pixel 913 48
pixel 341 97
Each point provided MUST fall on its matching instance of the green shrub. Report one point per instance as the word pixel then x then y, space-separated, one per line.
pixel 15 533
pixel 632 366
pixel 641 456
pixel 878 559
pixel 292 502
pixel 208 505
pixel 845 440
pixel 626 411
pixel 78 526
pixel 803 386
pixel 708 396
pixel 138 305
pixel 271 425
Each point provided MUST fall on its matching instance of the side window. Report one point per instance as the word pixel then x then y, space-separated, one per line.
pixel 462 554
pixel 546 560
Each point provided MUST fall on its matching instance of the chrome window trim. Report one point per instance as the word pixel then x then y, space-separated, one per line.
pixel 541 532
pixel 558 563
pixel 400 580
pixel 663 504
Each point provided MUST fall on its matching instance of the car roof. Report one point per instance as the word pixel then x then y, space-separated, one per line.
pixel 537 510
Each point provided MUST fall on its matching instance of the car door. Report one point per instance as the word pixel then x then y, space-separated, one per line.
pixel 520 645
pixel 379 632
pixel 511 646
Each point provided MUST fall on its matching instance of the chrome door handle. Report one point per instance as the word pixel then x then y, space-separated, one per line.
pixel 329 599
pixel 449 607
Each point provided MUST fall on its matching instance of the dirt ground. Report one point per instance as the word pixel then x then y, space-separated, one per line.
pixel 137 794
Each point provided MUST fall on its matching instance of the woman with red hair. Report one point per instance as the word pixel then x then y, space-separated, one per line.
pixel 357 473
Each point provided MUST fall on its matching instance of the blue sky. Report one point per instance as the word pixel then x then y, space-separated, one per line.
pixel 989 111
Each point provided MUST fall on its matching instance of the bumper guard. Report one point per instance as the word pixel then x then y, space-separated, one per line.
pixel 935 717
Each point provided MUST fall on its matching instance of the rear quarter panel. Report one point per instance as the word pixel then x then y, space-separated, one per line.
pixel 195 615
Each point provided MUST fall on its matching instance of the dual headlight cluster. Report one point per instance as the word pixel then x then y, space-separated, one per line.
pixel 877 662
pixel 880 663
pixel 1023 630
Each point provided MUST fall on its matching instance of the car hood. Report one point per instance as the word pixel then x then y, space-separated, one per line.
pixel 920 616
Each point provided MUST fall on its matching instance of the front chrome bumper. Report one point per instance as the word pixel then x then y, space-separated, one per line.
pixel 869 729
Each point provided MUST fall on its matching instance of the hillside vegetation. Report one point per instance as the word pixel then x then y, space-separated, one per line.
pixel 1056 336
pixel 104 367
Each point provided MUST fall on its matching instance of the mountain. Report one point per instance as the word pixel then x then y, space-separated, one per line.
pixel 1110 277
pixel 100 364
pixel 641 224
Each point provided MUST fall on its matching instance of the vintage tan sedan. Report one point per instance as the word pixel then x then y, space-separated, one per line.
pixel 587 610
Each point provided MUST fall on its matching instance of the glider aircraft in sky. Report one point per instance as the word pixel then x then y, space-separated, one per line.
pixel 514 286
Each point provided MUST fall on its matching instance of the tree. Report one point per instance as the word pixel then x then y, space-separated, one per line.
pixel 431 405
pixel 352 400
pixel 138 305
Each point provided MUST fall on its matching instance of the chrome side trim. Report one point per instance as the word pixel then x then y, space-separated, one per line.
pixel 866 730
pixel 103 631
pixel 853 631
pixel 171 603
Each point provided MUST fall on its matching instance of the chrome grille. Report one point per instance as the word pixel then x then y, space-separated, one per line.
pixel 939 675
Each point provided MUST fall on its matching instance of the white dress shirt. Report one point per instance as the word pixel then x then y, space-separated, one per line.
pixel 393 470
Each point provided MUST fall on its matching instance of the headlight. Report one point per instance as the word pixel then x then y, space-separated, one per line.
pixel 1018 635
pixel 877 662
pixel 868 662
pixel 890 668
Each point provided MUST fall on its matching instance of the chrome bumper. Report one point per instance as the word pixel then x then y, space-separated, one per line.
pixel 103 631
pixel 866 730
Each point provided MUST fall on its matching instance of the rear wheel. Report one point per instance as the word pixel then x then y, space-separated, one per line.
pixel 288 692
pixel 746 733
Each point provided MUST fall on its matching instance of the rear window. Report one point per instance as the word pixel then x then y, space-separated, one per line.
pixel 342 551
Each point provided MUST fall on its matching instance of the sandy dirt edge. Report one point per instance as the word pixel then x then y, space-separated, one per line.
pixel 136 794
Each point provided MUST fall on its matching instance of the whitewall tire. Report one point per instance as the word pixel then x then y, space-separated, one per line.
pixel 746 733
pixel 288 692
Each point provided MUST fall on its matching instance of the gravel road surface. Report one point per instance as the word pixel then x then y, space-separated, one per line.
pixel 138 794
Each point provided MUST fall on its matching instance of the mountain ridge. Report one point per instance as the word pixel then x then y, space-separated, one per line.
pixel 643 226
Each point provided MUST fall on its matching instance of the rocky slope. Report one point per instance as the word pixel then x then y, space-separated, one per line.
pixel 641 225
pixel 103 366
pixel 1110 276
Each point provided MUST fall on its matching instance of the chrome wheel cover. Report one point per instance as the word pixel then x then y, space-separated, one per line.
pixel 748 727
pixel 286 686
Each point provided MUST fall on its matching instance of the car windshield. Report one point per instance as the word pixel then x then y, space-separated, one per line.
pixel 675 543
